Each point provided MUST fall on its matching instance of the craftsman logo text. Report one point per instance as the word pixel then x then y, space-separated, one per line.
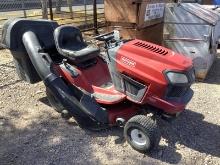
pixel 128 62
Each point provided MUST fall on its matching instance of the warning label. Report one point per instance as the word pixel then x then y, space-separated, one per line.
pixel 154 11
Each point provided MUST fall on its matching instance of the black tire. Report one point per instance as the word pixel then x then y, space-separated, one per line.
pixel 57 106
pixel 54 102
pixel 84 123
pixel 142 133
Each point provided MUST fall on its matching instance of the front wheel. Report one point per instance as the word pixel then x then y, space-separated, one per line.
pixel 142 133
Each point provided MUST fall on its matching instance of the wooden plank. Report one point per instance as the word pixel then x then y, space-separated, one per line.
pixel 207 2
pixel 121 11
pixel 152 33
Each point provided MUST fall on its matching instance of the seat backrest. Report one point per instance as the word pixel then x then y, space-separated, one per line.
pixel 69 38
pixel 70 44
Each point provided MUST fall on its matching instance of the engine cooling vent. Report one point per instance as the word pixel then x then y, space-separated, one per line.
pixel 151 48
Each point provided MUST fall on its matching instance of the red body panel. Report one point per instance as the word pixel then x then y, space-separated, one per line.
pixel 167 106
pixel 92 79
pixel 141 61
pixel 123 110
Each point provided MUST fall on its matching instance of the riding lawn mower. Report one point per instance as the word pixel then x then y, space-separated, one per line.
pixel 130 86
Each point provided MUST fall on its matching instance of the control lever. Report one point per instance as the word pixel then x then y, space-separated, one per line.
pixel 70 68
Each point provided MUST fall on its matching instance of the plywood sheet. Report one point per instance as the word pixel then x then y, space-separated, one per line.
pixel 152 33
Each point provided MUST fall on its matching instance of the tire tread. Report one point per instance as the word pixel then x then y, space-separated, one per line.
pixel 149 125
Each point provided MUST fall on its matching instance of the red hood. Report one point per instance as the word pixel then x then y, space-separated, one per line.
pixel 147 62
pixel 160 57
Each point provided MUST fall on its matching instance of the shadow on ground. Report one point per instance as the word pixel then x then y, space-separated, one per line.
pixel 213 76
pixel 189 130
pixel 5 68
pixel 45 141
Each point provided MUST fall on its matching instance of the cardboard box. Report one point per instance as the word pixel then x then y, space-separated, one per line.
pixel 207 2
pixel 143 13
pixel 153 33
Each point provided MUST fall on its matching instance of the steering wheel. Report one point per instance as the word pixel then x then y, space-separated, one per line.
pixel 105 37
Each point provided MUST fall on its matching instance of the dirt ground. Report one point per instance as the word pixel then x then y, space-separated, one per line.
pixel 31 132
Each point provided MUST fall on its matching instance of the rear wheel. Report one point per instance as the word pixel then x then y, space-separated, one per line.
pixel 83 122
pixel 56 104
pixel 142 133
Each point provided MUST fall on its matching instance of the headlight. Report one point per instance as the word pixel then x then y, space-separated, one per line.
pixel 177 78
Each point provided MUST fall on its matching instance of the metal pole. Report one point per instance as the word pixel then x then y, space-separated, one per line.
pixel 44 9
pixel 85 9
pixel 23 7
pixel 51 9
pixel 95 17
pixel 58 6
pixel 70 4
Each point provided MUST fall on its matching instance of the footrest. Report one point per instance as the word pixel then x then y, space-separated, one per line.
pixel 108 98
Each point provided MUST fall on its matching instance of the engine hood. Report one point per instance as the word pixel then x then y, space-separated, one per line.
pixel 147 61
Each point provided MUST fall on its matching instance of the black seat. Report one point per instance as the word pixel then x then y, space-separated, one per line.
pixel 69 43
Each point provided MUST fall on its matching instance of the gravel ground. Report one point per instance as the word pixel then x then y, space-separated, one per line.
pixel 31 132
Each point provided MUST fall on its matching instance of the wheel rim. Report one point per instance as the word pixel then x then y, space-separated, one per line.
pixel 139 138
